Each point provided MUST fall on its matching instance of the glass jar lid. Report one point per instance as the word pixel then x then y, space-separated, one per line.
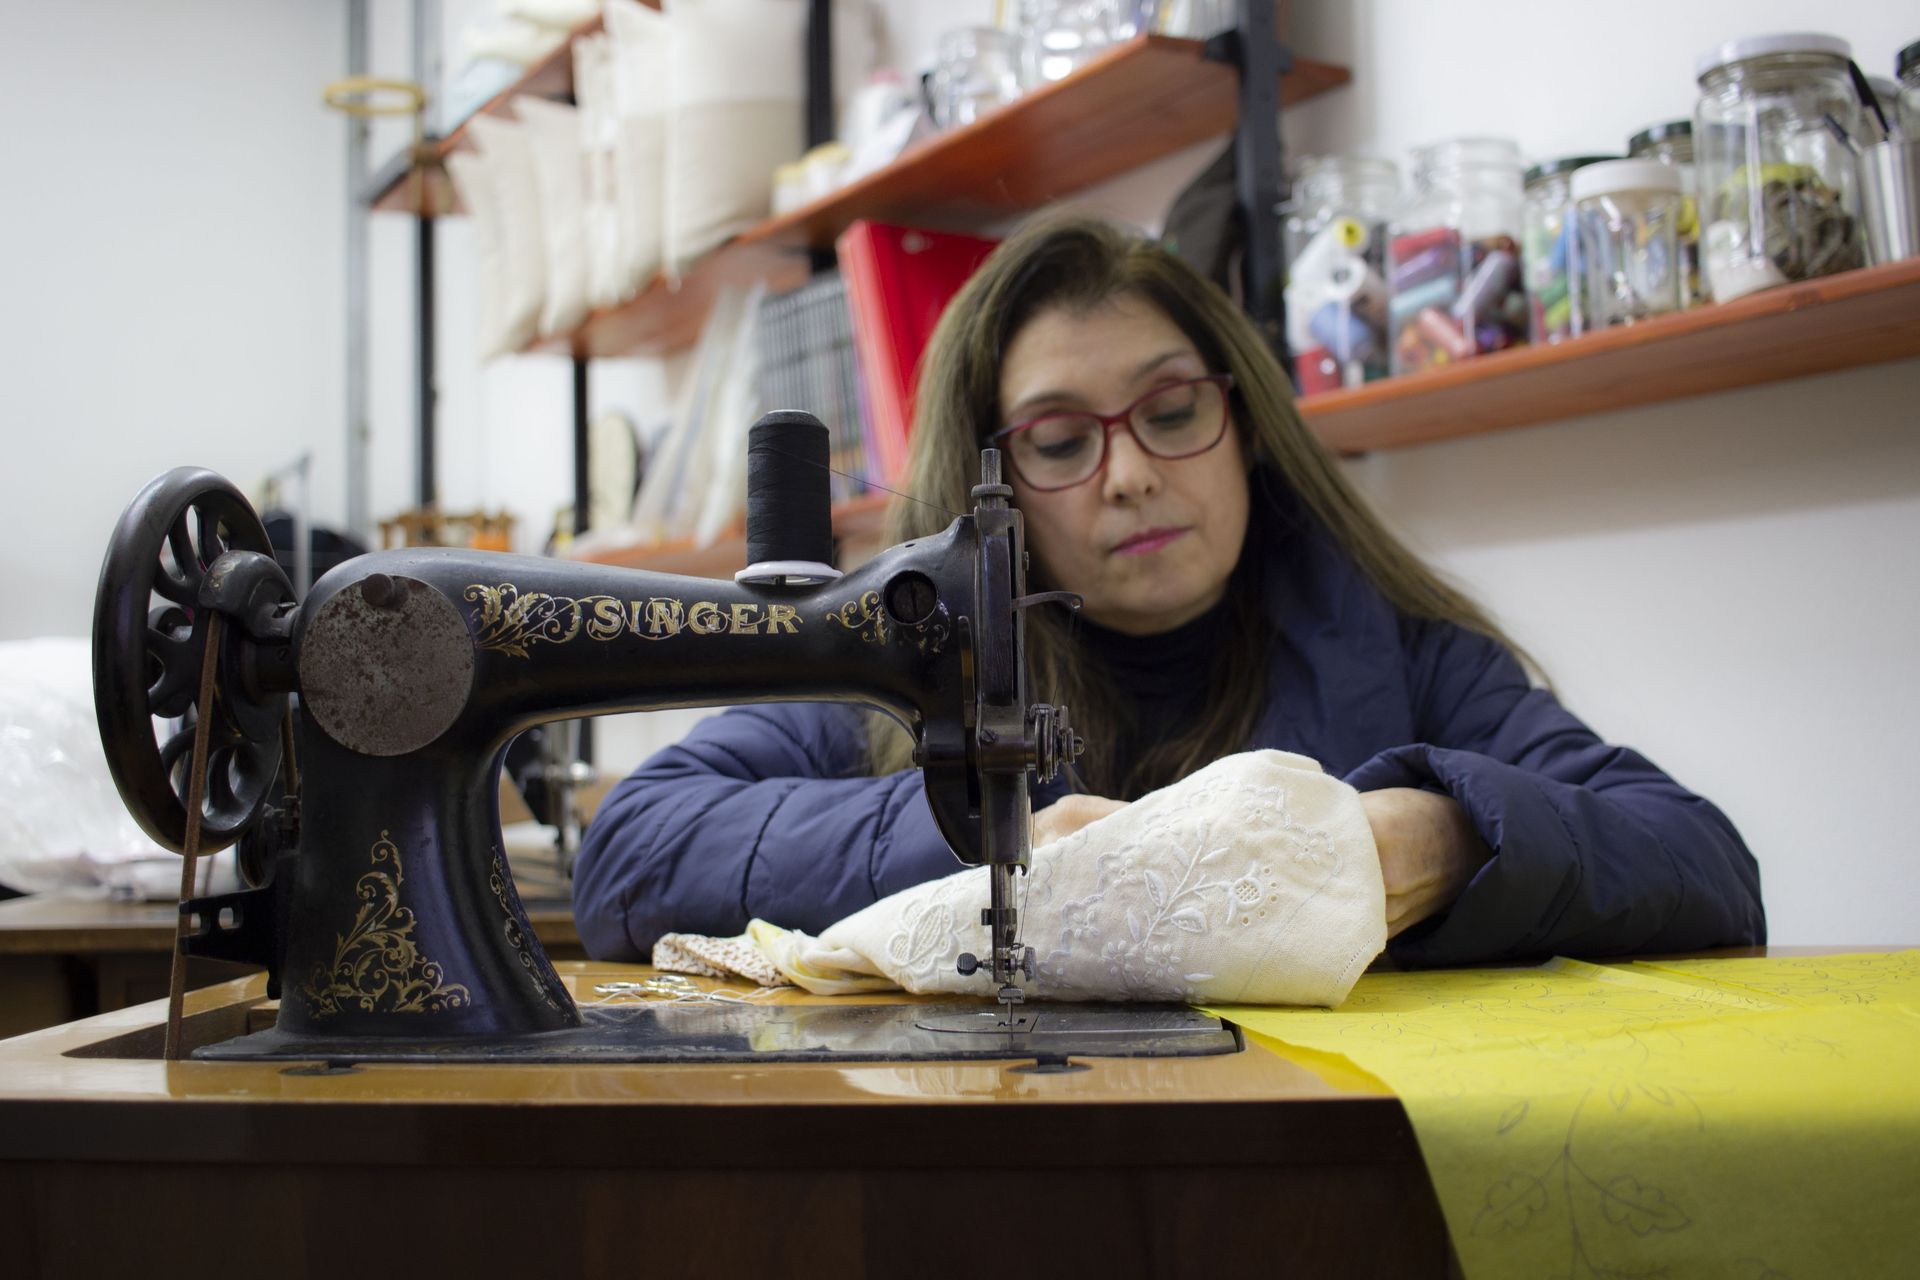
pixel 1565 164
pixel 1749 47
pixel 1655 134
pixel 1614 176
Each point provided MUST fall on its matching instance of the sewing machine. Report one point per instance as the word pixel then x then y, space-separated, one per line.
pixel 368 826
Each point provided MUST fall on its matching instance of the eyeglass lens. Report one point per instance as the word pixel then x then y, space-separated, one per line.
pixel 1174 421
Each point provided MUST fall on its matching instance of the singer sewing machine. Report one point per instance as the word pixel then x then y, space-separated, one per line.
pixel 352 742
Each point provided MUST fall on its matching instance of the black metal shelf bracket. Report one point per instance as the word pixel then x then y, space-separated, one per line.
pixel 1254 50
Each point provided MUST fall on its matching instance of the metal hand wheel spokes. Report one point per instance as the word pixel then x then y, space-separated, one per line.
pixel 149 645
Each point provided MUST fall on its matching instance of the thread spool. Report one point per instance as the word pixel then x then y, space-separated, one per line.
pixel 789 502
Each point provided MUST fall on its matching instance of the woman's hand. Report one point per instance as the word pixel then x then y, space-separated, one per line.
pixel 1070 813
pixel 1429 850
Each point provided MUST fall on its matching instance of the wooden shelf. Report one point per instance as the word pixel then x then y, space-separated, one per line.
pixel 1137 102
pixel 399 184
pixel 1142 100
pixel 857 526
pixel 1818 326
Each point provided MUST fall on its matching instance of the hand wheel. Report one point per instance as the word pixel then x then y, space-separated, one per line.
pixel 149 643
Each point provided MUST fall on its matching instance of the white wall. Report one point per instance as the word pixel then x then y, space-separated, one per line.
pixel 174 196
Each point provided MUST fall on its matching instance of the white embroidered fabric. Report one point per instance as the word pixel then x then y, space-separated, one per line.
pixel 1254 881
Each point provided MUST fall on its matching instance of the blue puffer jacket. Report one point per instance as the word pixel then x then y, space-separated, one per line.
pixel 766 812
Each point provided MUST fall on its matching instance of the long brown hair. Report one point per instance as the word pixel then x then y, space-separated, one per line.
pixel 1078 263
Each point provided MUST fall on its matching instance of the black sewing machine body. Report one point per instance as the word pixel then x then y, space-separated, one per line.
pixel 383 903
pixel 416 668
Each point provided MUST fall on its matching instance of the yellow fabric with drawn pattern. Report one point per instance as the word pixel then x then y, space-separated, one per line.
pixel 1756 1119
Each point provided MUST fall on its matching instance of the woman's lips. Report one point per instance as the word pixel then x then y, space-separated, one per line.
pixel 1147 541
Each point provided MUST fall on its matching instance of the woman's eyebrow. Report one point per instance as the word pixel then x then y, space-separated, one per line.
pixel 1059 396
pixel 1149 366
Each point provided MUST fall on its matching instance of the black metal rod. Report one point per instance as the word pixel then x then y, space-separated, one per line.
pixel 423 310
pixel 820 126
pixel 820 123
pixel 582 503
pixel 582 490
pixel 1261 62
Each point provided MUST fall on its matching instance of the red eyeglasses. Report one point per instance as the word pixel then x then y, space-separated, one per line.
pixel 1174 420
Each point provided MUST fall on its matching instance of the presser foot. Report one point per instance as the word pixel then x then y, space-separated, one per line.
pixel 1008 963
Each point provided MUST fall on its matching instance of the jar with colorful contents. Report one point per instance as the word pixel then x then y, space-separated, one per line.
pixel 1777 193
pixel 1626 216
pixel 1546 247
pixel 1453 256
pixel 1334 232
pixel 1671 143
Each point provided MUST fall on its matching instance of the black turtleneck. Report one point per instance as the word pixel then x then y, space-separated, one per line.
pixel 1165 676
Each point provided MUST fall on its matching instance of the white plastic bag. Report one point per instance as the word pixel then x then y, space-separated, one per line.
pixel 559 164
pixel 62 826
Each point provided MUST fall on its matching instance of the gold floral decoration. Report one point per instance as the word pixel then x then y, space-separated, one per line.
pixel 862 616
pixel 377 965
pixel 516 934
pixel 509 622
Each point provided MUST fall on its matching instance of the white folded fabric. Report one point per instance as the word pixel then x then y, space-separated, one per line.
pixel 473 178
pixel 1254 881
pixel 508 149
pixel 560 168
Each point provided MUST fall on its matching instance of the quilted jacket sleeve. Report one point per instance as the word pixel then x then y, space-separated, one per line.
pixel 759 812
pixel 1596 850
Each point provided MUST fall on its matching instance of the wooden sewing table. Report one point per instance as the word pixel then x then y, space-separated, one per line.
pixel 113 1162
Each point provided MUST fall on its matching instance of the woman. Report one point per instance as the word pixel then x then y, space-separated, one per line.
pixel 1237 595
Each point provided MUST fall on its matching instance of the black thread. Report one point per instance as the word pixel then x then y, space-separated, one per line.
pixel 789 508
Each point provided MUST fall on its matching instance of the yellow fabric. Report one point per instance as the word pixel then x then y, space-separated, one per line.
pixel 1757 1119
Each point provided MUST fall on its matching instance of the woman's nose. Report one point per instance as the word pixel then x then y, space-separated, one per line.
pixel 1131 471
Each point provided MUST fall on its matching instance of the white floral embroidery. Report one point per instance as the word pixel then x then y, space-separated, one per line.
pixel 1254 880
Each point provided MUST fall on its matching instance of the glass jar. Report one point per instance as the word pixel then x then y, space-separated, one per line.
pixel 1907 67
pixel 1059 36
pixel 1546 247
pixel 1777 193
pixel 1453 256
pixel 1671 143
pixel 976 70
pixel 1626 218
pixel 1334 234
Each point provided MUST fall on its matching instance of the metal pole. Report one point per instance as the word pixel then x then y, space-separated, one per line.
pixel 426 72
pixel 582 734
pixel 820 124
pixel 424 410
pixel 1256 142
pixel 303 528
pixel 359 474
pixel 582 490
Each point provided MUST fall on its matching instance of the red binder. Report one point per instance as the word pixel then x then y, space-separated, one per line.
pixel 899 280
